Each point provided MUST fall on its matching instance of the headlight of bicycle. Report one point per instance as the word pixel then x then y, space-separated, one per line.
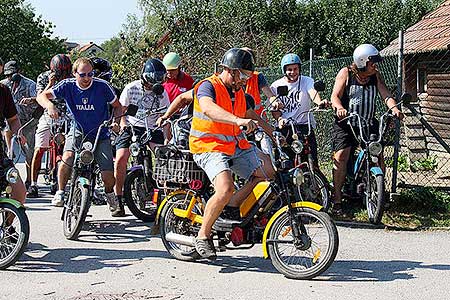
pixel 12 175
pixel 297 177
pixel 297 146
pixel 86 157
pixel 375 148
pixel 259 135
pixel 134 149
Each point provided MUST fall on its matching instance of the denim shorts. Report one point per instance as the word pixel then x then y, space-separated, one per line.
pixel 243 162
pixel 103 155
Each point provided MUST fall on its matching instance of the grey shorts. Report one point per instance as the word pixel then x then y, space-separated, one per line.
pixel 243 162
pixel 103 154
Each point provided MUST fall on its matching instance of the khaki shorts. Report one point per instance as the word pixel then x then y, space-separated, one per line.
pixel 43 134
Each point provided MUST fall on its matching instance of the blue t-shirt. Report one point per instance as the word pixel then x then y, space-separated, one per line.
pixel 88 106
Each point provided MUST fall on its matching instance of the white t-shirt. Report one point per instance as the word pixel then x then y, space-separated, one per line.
pixel 298 101
pixel 134 93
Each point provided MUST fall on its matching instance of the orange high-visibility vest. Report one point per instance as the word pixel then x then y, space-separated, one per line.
pixel 252 88
pixel 209 136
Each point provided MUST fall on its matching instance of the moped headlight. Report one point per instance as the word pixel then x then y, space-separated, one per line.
pixel 259 135
pixel 297 146
pixel 134 149
pixel 86 157
pixel 375 148
pixel 12 175
pixel 297 177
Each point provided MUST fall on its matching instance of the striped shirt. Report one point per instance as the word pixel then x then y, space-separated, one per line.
pixel 360 98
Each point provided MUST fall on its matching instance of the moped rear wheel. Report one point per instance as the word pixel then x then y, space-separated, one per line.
pixel 14 234
pixel 375 198
pixel 138 200
pixel 75 211
pixel 313 253
pixel 169 222
pixel 321 195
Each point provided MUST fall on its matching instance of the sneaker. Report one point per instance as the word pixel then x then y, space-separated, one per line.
pixel 112 201
pixel 206 249
pixel 58 199
pixel 33 191
pixel 119 212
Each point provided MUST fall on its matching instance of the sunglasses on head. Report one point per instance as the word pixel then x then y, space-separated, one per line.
pixel 82 75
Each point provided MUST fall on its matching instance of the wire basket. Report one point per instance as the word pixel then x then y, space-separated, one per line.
pixel 175 166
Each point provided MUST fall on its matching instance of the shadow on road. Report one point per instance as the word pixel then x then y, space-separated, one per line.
pixel 358 270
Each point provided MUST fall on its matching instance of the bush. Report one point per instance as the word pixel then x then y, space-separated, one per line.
pixel 424 200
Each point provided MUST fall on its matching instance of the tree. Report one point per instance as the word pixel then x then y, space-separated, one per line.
pixel 26 37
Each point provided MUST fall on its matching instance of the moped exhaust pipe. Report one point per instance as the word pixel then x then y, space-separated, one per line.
pixel 180 239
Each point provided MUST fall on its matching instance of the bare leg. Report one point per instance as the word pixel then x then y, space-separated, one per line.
pixel 36 163
pixel 224 187
pixel 65 169
pixel 108 180
pixel 120 169
pixel 339 172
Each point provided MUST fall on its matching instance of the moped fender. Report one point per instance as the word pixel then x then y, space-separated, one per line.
pixel 282 210
pixel 13 202
pixel 376 171
pixel 358 162
pixel 164 202
pixel 83 181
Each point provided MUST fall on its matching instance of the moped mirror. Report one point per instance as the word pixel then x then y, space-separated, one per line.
pixel 282 90
pixel 319 86
pixel 406 98
pixel 131 110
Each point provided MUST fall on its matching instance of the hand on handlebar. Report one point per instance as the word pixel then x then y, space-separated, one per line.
pixel 53 111
pixel 282 122
pixel 249 124
pixel 160 121
pixel 325 104
pixel 26 101
pixel 115 127
pixel 341 113
pixel 277 105
pixel 398 113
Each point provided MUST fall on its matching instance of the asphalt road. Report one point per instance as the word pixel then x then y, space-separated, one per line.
pixel 119 259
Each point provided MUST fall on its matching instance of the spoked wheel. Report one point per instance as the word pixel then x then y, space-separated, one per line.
pixel 75 211
pixel 14 234
pixel 311 254
pixel 318 193
pixel 139 196
pixel 375 198
pixel 169 222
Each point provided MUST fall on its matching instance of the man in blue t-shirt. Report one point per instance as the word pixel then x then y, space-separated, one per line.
pixel 87 98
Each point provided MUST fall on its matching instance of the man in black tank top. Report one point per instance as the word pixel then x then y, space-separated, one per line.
pixel 355 90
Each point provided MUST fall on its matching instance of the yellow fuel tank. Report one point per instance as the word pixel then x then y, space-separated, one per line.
pixel 254 196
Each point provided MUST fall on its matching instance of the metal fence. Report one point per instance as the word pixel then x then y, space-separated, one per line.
pixel 424 135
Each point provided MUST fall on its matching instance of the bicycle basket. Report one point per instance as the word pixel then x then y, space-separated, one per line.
pixel 173 165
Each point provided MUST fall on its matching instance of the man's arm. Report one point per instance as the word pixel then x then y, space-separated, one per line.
pixel 218 114
pixel 338 92
pixel 178 103
pixel 44 100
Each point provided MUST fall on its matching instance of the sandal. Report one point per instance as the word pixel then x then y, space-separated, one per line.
pixel 206 249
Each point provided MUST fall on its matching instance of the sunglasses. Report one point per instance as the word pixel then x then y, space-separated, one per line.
pixel 243 76
pixel 82 75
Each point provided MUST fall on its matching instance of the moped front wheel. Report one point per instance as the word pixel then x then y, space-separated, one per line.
pixel 138 196
pixel 169 222
pixel 14 234
pixel 375 198
pixel 75 211
pixel 309 254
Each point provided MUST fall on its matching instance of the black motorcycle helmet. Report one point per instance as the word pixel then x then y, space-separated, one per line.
pixel 102 68
pixel 154 73
pixel 61 65
pixel 236 58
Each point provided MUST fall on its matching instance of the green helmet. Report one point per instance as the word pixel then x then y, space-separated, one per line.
pixel 172 61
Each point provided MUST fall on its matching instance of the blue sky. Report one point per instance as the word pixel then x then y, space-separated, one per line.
pixel 83 21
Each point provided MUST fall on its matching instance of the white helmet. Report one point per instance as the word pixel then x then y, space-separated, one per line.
pixel 364 53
